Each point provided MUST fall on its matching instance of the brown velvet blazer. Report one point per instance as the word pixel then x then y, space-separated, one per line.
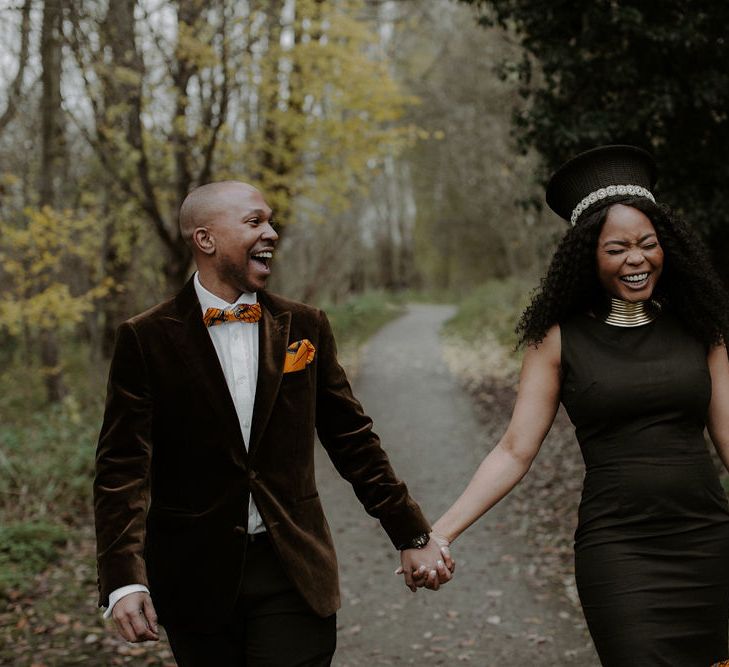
pixel 173 474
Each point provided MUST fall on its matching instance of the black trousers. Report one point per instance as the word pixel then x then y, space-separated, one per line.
pixel 272 625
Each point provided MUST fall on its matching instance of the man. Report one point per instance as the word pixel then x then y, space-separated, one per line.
pixel 205 500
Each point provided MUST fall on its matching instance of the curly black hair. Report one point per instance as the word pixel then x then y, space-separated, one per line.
pixel 689 285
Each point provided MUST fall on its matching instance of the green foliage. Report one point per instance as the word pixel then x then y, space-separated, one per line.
pixel 494 307
pixel 469 181
pixel 295 98
pixel 46 465
pixel 340 118
pixel 40 289
pixel 630 71
pixel 359 318
pixel 26 549
pixel 47 450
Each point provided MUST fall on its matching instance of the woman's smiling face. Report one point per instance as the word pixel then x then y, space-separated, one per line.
pixel 629 256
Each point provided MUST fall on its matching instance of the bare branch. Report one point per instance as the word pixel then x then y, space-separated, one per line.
pixel 17 85
pixel 217 122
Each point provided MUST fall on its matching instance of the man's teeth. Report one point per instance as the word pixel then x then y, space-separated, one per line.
pixel 636 278
pixel 263 255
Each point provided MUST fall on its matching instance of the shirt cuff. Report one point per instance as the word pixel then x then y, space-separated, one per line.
pixel 119 593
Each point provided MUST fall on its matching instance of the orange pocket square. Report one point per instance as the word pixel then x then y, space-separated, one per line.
pixel 299 355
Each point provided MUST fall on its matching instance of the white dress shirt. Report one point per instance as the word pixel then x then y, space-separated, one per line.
pixel 236 344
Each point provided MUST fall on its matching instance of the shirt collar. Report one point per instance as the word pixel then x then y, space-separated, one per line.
pixel 209 300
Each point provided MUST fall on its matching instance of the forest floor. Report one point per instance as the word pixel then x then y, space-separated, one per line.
pixel 439 406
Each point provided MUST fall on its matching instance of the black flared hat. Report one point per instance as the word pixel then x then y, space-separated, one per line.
pixel 600 176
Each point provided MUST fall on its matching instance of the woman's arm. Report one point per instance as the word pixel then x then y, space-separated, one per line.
pixel 536 406
pixel 718 420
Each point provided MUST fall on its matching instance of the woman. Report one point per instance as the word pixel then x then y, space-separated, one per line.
pixel 627 331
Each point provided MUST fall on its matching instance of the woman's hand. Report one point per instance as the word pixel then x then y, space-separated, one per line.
pixel 429 567
pixel 444 544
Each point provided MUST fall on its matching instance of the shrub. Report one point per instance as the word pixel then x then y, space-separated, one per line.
pixel 26 549
pixel 494 307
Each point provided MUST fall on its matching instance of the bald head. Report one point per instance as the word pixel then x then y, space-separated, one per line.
pixel 206 203
pixel 229 227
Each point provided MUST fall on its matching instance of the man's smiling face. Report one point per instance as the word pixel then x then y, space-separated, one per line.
pixel 244 238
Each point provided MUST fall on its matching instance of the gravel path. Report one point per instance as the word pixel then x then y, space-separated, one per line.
pixel 496 611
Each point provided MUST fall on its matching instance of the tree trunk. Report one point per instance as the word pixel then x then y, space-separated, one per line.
pixel 274 162
pixel 51 128
pixel 115 305
pixel 52 151
pixel 117 31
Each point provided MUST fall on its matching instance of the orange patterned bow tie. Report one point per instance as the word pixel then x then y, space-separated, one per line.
pixel 243 312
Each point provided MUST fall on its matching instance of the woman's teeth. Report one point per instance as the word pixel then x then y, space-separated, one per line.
pixel 635 278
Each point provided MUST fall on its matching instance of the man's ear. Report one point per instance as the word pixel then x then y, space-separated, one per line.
pixel 203 240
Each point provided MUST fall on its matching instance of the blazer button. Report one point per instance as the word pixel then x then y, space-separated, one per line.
pixel 239 530
pixel 252 474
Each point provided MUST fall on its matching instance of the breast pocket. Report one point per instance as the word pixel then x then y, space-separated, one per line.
pixel 296 379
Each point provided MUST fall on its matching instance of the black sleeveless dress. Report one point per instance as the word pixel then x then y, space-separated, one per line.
pixel 652 542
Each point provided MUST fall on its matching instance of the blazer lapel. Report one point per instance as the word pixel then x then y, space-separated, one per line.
pixel 203 363
pixel 273 335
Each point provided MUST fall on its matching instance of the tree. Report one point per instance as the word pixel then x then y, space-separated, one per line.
pixel 629 71
pixel 154 169
pixel 35 256
pixel 49 249
pixel 118 120
pixel 282 94
pixel 52 154
pixel 465 176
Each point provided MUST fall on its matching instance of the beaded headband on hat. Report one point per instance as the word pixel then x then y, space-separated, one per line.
pixel 601 175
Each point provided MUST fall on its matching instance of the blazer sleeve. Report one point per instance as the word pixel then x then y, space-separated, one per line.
pixel 346 433
pixel 123 458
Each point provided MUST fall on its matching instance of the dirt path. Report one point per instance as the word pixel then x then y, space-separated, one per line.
pixel 495 612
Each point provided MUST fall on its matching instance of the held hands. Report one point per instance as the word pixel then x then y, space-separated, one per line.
pixel 135 618
pixel 429 567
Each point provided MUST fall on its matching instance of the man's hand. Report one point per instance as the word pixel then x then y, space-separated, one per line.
pixel 429 567
pixel 135 618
